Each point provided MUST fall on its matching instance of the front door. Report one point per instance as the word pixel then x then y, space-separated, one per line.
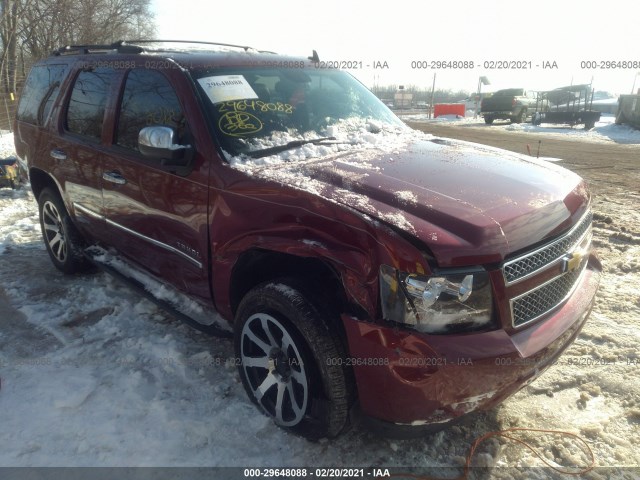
pixel 155 215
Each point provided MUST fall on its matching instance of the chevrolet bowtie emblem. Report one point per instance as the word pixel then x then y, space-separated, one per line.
pixel 572 261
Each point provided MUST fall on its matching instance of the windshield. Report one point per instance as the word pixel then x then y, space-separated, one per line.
pixel 256 109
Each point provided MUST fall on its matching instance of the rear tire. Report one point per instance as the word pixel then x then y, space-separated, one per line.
pixel 61 238
pixel 488 120
pixel 291 364
pixel 536 119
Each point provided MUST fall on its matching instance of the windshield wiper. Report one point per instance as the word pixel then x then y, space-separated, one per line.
pixel 265 152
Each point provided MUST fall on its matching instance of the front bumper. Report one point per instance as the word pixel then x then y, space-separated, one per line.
pixel 500 114
pixel 417 381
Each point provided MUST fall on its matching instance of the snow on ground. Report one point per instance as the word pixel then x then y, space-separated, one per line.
pixel 605 131
pixel 94 375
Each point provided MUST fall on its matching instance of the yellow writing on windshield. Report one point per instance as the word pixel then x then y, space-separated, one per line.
pixel 239 124
pixel 255 105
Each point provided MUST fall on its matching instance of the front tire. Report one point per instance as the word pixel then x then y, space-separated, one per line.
pixel 291 364
pixel 488 120
pixel 63 242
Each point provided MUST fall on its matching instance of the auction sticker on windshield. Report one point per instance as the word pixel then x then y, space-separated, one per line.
pixel 222 88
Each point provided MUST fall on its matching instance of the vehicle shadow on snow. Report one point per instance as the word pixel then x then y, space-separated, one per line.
pixel 19 339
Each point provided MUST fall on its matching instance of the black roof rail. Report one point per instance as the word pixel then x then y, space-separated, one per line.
pixel 120 46
pixel 134 42
pixel 132 46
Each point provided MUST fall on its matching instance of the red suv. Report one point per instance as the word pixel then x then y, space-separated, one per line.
pixel 361 264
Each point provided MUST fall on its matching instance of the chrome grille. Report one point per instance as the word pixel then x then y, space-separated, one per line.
pixel 528 264
pixel 546 297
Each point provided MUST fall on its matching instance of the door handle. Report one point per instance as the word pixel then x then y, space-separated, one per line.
pixel 114 177
pixel 58 154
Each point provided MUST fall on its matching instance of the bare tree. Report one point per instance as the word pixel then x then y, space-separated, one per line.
pixel 84 22
pixel 32 29
pixel 10 25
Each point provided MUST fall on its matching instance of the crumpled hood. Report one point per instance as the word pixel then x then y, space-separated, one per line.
pixel 469 203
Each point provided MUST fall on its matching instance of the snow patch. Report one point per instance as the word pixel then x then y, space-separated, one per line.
pixel 605 130
pixel 407 197
pixel 314 243
pixel 286 290
pixel 350 134
pixel 398 219
pixel 75 391
pixel 161 291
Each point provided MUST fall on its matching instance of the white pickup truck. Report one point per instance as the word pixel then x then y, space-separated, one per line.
pixel 514 104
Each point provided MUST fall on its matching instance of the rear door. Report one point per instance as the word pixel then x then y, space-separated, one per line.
pixel 77 151
pixel 155 214
pixel 37 99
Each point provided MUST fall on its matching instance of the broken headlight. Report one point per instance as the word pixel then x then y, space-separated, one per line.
pixel 448 302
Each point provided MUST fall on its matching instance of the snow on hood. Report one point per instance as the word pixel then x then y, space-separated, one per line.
pixel 350 134
pixel 460 198
pixel 368 138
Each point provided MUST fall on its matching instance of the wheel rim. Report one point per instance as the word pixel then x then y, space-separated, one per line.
pixel 274 369
pixel 53 231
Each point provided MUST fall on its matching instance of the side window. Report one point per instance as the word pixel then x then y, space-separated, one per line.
pixel 39 93
pixel 148 99
pixel 85 113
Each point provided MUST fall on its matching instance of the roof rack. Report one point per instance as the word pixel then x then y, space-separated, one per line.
pixel 244 47
pixel 120 46
pixel 132 46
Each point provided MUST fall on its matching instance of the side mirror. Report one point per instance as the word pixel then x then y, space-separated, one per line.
pixel 159 142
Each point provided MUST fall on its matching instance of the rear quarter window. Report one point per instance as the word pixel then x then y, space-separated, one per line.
pixel 40 92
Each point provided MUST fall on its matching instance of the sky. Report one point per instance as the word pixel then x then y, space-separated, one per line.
pixel 578 42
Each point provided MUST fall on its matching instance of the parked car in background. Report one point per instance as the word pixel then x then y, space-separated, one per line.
pixel 9 173
pixel 362 266
pixel 515 104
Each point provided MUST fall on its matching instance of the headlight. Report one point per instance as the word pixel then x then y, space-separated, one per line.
pixel 443 303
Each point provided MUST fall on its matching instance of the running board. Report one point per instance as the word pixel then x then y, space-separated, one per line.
pixel 107 262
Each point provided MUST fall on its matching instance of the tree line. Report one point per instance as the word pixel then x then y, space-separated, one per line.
pixel 421 93
pixel 32 29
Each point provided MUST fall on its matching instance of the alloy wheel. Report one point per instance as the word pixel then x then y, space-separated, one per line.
pixel 54 231
pixel 274 369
